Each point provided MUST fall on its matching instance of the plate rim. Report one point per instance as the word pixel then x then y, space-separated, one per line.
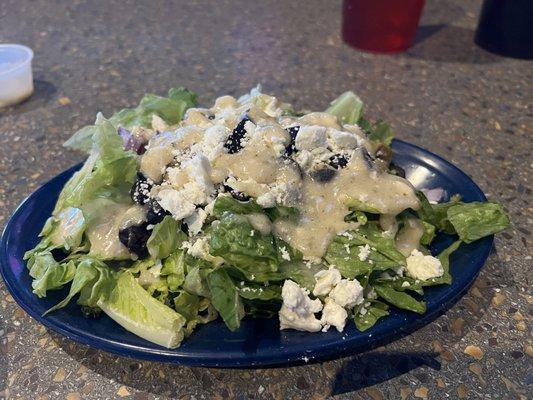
pixel 324 351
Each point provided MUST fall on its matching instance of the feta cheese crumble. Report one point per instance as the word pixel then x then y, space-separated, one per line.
pixel 347 293
pixel 364 252
pixel 298 310
pixel 333 315
pixel 420 266
pixel 325 281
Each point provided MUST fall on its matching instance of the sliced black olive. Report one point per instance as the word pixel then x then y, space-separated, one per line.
pixel 291 148
pixel 140 191
pixel 234 141
pixel 323 175
pixel 155 213
pixel 134 238
pixel 58 254
pixel 369 160
pixel 236 194
pixel 338 161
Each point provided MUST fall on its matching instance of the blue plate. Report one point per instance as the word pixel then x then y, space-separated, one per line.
pixel 258 342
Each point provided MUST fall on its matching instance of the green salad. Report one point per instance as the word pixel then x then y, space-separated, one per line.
pixel 181 215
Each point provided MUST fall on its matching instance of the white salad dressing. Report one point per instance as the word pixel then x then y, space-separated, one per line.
pixel 261 168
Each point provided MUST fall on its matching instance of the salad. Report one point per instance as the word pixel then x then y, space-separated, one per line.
pixel 182 214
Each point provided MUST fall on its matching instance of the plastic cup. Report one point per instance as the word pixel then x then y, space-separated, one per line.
pixel 16 79
pixel 385 26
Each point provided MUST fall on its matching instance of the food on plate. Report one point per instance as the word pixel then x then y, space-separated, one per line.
pixel 182 214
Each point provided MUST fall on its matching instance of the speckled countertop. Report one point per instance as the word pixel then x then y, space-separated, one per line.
pixel 444 94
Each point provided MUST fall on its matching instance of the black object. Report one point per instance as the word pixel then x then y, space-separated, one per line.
pixel 323 175
pixel 134 238
pixel 291 148
pixel 506 28
pixel 236 194
pixel 140 191
pixel 155 213
pixel 234 141
pixel 338 161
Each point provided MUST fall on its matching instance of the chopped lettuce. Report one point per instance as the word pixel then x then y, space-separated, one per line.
pixel 235 240
pixel 48 274
pixel 229 204
pixel 134 309
pixel 225 298
pixel 344 251
pixel 399 299
pixel 171 109
pixel 473 221
pixel 348 108
pixel 166 237
pixel 375 311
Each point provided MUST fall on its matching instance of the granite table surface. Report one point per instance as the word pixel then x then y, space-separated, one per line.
pixel 445 94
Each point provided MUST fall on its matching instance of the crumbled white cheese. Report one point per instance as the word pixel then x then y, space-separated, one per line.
pixel 284 253
pixel 298 310
pixel 310 137
pixel 326 280
pixel 406 284
pixel 333 315
pixel 364 252
pixel 347 293
pixel 423 267
pixel 341 140
pixel 195 221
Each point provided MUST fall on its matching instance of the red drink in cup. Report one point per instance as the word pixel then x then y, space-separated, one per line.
pixel 387 26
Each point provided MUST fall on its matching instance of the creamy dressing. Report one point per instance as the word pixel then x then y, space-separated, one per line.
pixel 408 239
pixel 262 170
pixel 102 230
pixel 325 205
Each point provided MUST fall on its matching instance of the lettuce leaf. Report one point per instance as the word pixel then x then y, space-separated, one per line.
pixel 195 309
pixel 399 299
pixel 225 298
pixel 343 252
pixel 231 239
pixel 171 109
pixel 374 312
pixel 348 108
pixel 473 221
pixel 90 273
pixel 229 204
pixel 166 237
pixel 133 308
pixel 48 274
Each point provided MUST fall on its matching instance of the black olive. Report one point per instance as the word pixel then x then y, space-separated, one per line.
pixel 155 213
pixel 323 175
pixel 134 237
pixel 338 161
pixel 140 191
pixel 236 194
pixel 211 117
pixel 369 160
pixel 234 141
pixel 291 148
pixel 58 254
pixel 397 170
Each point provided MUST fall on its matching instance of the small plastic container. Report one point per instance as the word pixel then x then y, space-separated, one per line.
pixel 383 26
pixel 16 78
